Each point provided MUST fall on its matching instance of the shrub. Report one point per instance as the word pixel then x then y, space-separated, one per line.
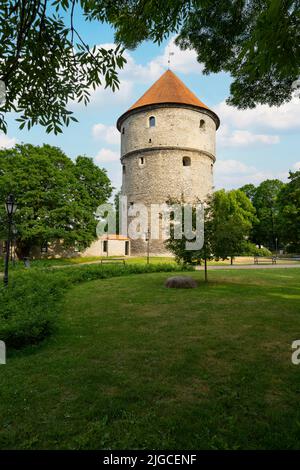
pixel 249 249
pixel 262 252
pixel 29 306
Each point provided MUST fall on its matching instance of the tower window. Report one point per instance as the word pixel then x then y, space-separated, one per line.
pixel 123 130
pixel 202 124
pixel 186 161
pixel 152 121
pixel 150 141
pixel 141 160
pixel 124 169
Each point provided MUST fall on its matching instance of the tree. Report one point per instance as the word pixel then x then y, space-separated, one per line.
pixel 250 190
pixel 232 216
pixel 117 210
pixel 265 230
pixel 45 63
pixel 228 218
pixel 256 41
pixel 56 197
pixel 289 213
pixel 178 246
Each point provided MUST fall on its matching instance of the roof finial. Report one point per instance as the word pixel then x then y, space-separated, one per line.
pixel 169 58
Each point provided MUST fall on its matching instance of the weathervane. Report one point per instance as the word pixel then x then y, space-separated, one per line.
pixel 169 58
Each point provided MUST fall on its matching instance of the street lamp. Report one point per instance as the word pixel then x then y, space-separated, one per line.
pixel 147 239
pixel 10 207
pixel 13 247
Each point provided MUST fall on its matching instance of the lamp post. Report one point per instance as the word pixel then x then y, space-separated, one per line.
pixel 276 242
pixel 147 239
pixel 13 247
pixel 10 206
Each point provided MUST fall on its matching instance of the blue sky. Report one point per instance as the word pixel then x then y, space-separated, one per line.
pixel 252 145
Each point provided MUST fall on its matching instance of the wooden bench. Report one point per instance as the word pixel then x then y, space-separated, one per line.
pixel 113 260
pixel 272 259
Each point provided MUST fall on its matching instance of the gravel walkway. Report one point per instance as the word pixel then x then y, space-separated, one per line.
pixel 251 266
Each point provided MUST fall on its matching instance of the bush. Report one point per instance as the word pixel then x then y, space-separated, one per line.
pixel 28 308
pixel 30 305
pixel 262 252
pixel 249 249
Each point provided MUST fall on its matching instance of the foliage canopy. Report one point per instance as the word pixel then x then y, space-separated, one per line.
pixel 45 62
pixel 256 41
pixel 57 198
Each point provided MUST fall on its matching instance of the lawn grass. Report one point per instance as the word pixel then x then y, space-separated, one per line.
pixel 135 365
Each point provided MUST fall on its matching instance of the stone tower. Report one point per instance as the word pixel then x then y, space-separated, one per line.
pixel 167 148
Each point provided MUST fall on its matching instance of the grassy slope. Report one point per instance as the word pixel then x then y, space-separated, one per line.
pixel 135 365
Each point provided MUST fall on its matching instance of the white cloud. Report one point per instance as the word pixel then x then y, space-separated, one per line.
pixel 232 167
pixel 184 61
pixel 136 73
pixel 133 74
pixel 101 96
pixel 240 128
pixel 109 134
pixel 282 118
pixel 296 166
pixel 6 142
pixel 234 174
pixel 181 61
pixel 241 138
pixel 106 155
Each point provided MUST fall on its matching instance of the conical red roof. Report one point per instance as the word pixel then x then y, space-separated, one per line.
pixel 168 89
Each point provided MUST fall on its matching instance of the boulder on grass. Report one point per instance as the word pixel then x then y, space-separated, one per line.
pixel 181 282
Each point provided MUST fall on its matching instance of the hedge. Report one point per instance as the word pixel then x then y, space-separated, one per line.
pixel 30 305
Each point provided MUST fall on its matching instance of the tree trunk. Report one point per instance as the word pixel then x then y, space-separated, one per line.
pixel 231 260
pixel 22 249
pixel 205 269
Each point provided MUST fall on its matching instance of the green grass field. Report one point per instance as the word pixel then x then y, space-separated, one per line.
pixel 135 365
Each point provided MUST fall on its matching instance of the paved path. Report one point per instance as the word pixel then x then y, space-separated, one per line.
pixel 250 266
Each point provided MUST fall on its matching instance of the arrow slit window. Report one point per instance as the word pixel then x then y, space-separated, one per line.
pixel 151 121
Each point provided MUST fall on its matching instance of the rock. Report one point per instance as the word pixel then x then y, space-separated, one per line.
pixel 181 282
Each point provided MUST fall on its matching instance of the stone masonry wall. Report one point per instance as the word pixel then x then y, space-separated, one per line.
pixel 175 127
pixel 153 172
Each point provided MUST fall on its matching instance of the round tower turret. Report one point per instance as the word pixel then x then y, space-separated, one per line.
pixel 167 148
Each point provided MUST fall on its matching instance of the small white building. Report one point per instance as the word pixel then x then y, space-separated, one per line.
pixel 109 245
pixel 106 245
